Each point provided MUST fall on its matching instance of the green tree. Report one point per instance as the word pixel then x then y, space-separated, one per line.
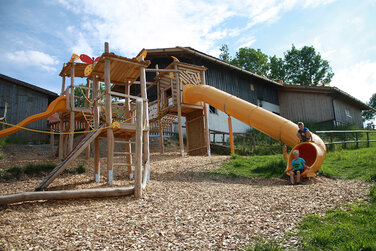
pixel 306 67
pixel 276 69
pixel 252 60
pixel 370 114
pixel 225 54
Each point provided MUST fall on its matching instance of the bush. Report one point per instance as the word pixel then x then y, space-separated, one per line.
pixel 37 169
pixel 3 140
pixel 80 169
pixel 15 171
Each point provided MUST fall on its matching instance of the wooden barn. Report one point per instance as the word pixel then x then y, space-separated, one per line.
pixel 320 104
pixel 224 76
pixel 24 100
pixel 296 103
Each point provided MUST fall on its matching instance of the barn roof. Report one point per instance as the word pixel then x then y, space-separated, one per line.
pixel 49 94
pixel 328 90
pixel 180 51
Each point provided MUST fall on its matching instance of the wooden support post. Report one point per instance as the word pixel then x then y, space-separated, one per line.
pixel 284 151
pixel 87 122
pixel 128 146
pixel 367 139
pixel 138 167
pixel 160 100
pixel 231 136
pixel 145 141
pixel 63 84
pixel 97 164
pixel 207 135
pixel 178 95
pixel 61 138
pixel 71 115
pixel 206 114
pixel 110 132
pixel 61 124
pixel 52 143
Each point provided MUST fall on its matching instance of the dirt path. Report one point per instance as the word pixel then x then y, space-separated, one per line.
pixel 183 208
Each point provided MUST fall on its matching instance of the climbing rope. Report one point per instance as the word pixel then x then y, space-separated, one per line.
pixel 58 133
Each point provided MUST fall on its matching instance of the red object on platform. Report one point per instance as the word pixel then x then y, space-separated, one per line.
pixel 86 59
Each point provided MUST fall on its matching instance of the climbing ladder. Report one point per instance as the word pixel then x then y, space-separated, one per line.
pixel 71 156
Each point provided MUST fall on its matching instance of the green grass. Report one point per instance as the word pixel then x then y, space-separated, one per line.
pixel 350 229
pixel 350 164
pixel 353 228
pixel 253 167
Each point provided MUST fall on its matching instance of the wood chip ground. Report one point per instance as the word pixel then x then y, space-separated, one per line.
pixel 183 208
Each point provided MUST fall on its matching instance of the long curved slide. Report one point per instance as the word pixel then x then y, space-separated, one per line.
pixel 58 105
pixel 265 121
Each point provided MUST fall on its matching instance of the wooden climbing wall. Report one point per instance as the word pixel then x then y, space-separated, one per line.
pixel 195 131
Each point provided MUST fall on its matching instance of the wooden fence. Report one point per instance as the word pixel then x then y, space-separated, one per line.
pixel 247 141
pixel 345 137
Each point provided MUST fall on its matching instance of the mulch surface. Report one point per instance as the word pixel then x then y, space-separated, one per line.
pixel 183 207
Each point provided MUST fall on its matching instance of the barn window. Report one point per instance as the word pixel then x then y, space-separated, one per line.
pixel 213 110
pixel 347 112
pixel 252 86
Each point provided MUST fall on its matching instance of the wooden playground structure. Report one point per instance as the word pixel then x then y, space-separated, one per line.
pixel 122 117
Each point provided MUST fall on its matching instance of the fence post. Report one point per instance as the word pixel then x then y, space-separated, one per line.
pixel 344 139
pixel 356 137
pixel 331 141
pixel 367 139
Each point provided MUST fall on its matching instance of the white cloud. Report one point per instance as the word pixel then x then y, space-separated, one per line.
pixel 33 58
pixel 132 25
pixel 315 3
pixel 82 46
pixel 358 80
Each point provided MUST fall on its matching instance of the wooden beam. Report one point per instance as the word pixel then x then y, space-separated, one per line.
pixel 97 164
pixel 138 167
pixel 206 114
pixel 181 142
pixel 145 136
pixel 161 70
pixel 71 115
pixel 66 194
pixel 110 132
pixel 231 136
pixel 61 138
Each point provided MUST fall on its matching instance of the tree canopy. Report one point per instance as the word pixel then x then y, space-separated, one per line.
pixel 300 67
pixel 306 67
pixel 370 114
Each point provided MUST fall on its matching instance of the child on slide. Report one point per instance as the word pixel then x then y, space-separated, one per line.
pixel 304 134
pixel 297 167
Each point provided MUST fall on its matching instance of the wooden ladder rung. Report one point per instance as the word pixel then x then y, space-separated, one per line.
pixel 123 153
pixel 123 164
pixel 123 142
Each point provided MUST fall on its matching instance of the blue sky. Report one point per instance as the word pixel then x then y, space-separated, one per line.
pixel 39 36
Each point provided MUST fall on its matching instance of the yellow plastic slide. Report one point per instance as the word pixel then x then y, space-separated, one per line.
pixel 58 105
pixel 265 121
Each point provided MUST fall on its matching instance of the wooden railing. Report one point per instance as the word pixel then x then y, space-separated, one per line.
pixel 345 137
pixel 247 141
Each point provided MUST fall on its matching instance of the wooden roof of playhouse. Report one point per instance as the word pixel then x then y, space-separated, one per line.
pixel 123 70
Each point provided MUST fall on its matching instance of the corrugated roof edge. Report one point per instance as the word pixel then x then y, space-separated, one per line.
pixel 27 85
pixel 217 60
